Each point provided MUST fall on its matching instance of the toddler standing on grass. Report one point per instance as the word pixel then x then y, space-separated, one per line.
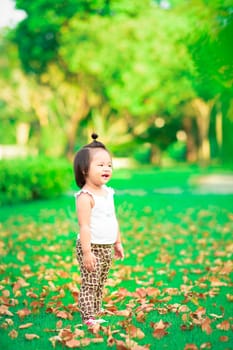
pixel 99 232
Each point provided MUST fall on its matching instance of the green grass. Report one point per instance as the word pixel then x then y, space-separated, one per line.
pixel 178 249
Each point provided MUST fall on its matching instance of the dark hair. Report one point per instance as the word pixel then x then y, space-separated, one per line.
pixel 82 160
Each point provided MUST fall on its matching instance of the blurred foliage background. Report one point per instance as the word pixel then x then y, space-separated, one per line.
pixel 152 78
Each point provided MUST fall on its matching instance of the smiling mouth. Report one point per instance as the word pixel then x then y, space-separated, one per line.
pixel 105 176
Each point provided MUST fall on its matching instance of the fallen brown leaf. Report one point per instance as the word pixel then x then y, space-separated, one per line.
pixel 54 340
pixel 97 340
pixel 135 332
pixel 36 304
pixel 85 341
pixel 230 297
pixel 8 322
pixel 64 315
pixel 19 284
pixel 129 344
pixel 206 346
pixel 120 345
pixel 31 336
pixel 79 333
pixel 23 313
pixel 5 293
pixel 141 316
pixel 205 326
pixel 66 334
pixel 26 325
pixel 59 324
pixel 159 333
pixel 183 308
pixel 162 310
pixel 215 282
pixel 224 338
pixel 185 327
pixel 171 291
pixel 224 325
pixel 190 347
pixel 125 313
pixel 160 329
pixel 32 295
pixel 4 310
pixel 13 334
pixel 94 329
pixel 73 343
pixel 227 268
pixel 197 315
pixel 216 316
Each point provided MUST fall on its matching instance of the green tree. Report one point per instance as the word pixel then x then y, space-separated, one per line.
pixel 210 48
pixel 25 106
pixel 129 63
pixel 120 58
pixel 17 89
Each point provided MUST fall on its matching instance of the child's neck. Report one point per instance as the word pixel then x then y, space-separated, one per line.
pixel 97 189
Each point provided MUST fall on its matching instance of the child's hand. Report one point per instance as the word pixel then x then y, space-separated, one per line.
pixel 119 251
pixel 89 261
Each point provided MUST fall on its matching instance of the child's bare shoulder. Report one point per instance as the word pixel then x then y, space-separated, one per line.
pixel 84 198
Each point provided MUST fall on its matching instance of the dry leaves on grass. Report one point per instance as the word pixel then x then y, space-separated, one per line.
pixel 129 344
pixel 74 339
pixel 151 292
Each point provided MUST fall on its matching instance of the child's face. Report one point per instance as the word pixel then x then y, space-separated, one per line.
pixel 100 170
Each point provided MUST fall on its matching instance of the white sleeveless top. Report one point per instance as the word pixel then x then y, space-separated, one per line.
pixel 103 222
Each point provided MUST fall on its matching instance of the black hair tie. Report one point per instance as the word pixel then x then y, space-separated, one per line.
pixel 94 136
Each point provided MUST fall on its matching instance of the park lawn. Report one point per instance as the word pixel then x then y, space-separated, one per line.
pixel 172 291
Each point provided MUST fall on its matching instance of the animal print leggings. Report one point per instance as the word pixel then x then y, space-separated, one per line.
pixel 92 285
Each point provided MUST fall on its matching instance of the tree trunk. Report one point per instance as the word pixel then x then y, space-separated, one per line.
pixel 191 144
pixel 202 113
pixel 82 110
pixel 155 155
pixel 227 142
pixel 219 127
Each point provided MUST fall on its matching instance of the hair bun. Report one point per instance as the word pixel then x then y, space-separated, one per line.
pixel 94 136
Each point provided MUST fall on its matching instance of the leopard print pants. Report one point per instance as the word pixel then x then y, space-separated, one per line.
pixel 92 283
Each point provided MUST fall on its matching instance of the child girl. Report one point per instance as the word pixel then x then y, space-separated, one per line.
pixel 98 227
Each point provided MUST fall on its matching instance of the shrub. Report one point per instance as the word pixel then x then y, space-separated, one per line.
pixel 33 178
pixel 143 154
pixel 177 151
pixel 139 151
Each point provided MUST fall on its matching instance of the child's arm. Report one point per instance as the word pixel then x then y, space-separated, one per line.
pixel 84 205
pixel 118 248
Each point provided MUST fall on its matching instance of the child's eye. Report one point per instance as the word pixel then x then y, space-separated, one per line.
pixel 101 164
